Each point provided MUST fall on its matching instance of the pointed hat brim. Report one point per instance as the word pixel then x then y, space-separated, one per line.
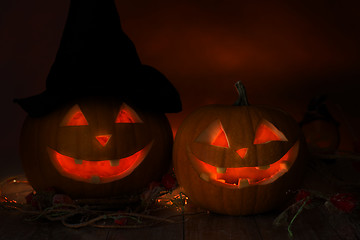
pixel 155 94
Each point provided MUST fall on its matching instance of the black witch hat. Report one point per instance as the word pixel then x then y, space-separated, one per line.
pixel 96 57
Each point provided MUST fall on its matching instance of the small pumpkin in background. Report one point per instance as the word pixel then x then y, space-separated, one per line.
pixel 320 129
pixel 95 147
pixel 240 159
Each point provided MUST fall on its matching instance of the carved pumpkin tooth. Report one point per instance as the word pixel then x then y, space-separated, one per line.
pixel 263 167
pixel 78 161
pixel 95 179
pixel 243 182
pixel 220 170
pixel 221 180
pixel 205 177
pixel 114 163
pixel 284 166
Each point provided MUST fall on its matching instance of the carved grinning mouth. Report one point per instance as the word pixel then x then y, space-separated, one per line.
pixel 96 172
pixel 242 177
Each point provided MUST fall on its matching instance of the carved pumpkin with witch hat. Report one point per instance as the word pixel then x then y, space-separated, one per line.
pixel 99 129
pixel 239 159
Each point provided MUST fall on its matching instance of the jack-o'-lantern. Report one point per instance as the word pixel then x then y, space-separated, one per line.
pixel 240 159
pixel 99 129
pixel 96 147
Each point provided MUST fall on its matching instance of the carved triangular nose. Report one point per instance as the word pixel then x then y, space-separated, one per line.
pixel 103 139
pixel 242 152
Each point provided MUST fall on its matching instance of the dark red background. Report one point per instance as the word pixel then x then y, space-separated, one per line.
pixel 285 52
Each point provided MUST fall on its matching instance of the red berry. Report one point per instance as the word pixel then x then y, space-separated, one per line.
pixel 61 199
pixel 168 181
pixel 29 198
pixel 120 221
pixel 32 200
pixel 345 202
pixel 303 195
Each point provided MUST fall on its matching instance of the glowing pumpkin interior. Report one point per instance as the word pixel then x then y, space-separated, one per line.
pixel 98 171
pixel 240 177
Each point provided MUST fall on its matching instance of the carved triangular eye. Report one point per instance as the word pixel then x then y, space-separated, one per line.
pixel 267 132
pixel 74 117
pixel 214 135
pixel 127 115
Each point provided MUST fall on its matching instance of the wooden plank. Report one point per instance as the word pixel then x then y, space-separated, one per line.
pixel 214 226
pixel 347 226
pixel 266 228
pixel 309 225
pixel 13 226
pixel 312 225
pixel 168 231
pixel 59 232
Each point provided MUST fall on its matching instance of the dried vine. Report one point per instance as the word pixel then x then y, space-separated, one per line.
pixel 135 211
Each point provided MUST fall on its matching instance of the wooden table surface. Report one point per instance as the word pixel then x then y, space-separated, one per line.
pixel 317 223
pixel 309 225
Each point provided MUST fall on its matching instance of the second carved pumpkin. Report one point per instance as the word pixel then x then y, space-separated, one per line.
pixel 238 160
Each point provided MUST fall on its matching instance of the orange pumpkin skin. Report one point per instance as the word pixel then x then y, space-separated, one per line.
pixel 197 160
pixel 45 138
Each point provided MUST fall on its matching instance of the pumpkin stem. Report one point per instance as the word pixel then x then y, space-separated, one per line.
pixel 242 100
